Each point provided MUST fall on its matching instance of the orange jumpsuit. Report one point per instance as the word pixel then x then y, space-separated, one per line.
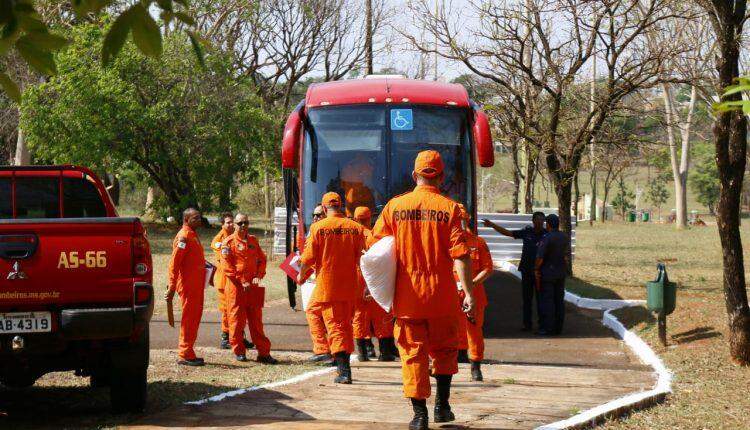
pixel 471 336
pixel 428 237
pixel 318 333
pixel 187 276
pixel 243 259
pixel 369 318
pixel 333 248
pixel 219 278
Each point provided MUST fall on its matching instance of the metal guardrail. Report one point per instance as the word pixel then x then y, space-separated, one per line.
pixel 501 247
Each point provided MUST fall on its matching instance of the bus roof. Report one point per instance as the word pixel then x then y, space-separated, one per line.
pixel 386 90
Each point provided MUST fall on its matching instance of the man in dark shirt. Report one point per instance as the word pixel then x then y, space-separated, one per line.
pixel 531 235
pixel 550 271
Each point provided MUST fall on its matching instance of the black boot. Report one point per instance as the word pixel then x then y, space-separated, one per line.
pixel 463 356
pixel 443 413
pixel 370 348
pixel 224 343
pixel 344 369
pixel 421 419
pixel 394 348
pixel 385 350
pixel 476 371
pixel 362 350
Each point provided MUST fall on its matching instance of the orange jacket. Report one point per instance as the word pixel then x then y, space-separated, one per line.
pixel 242 259
pixel 216 244
pixel 187 267
pixel 334 248
pixel 428 236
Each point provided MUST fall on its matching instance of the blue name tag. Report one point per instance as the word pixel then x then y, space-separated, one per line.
pixel 402 120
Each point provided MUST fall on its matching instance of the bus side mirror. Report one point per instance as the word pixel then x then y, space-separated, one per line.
pixel 483 139
pixel 291 141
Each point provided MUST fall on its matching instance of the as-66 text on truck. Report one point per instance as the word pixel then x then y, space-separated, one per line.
pixel 75 283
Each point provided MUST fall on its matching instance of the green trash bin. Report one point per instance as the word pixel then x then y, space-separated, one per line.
pixel 662 294
pixel 631 216
pixel 646 216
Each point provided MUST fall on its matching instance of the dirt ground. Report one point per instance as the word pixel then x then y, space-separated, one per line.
pixel 64 401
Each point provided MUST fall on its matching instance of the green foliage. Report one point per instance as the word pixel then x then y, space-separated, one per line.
pixel 657 193
pixel 623 201
pixel 743 86
pixel 704 177
pixel 193 132
pixel 22 28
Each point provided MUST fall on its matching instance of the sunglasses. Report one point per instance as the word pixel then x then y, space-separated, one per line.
pixel 317 215
pixel 243 223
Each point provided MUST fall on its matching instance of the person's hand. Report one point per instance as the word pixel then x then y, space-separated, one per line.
pixel 468 305
pixel 486 222
pixel 245 286
pixel 300 278
pixel 538 279
pixel 256 281
pixel 169 295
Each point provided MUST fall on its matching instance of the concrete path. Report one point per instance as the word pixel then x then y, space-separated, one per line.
pixel 529 381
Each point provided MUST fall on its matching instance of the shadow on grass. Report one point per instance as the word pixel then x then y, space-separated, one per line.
pixel 81 407
pixel 695 334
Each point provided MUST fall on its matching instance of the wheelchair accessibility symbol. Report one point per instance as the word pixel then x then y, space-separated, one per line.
pixel 402 120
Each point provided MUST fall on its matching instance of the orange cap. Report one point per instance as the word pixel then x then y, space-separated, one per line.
pixel 362 212
pixel 428 164
pixel 331 199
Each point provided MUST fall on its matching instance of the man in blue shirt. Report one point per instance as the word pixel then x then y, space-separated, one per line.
pixel 551 268
pixel 531 235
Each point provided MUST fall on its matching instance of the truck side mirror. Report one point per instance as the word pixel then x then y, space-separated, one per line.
pixel 483 139
pixel 291 140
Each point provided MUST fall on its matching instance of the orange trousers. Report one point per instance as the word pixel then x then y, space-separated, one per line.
pixel 192 311
pixel 220 282
pixel 419 340
pixel 361 320
pixel 337 317
pixel 318 333
pixel 246 308
pixel 471 336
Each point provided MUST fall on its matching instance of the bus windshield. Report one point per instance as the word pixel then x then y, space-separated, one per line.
pixel 366 153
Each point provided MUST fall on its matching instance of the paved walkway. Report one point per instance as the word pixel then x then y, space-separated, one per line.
pixel 529 381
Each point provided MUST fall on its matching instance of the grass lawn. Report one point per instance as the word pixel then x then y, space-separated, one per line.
pixel 161 236
pixel 614 261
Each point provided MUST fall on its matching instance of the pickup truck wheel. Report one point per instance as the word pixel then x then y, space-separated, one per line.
pixel 128 381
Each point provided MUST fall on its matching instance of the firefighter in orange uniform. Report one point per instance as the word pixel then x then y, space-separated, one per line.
pixel 244 265
pixel 333 249
pixel 227 228
pixel 187 277
pixel 471 337
pixel 314 314
pixel 369 317
pixel 429 244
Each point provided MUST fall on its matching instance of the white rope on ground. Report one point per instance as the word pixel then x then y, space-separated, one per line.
pixel 636 344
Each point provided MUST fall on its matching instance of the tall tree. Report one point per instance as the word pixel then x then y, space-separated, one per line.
pixel 727 18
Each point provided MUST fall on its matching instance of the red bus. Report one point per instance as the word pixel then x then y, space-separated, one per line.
pixel 360 137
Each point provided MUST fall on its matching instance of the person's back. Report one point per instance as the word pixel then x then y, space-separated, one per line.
pixel 339 242
pixel 424 223
pixel 554 248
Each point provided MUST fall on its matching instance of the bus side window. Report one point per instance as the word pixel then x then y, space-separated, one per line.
pixel 6 205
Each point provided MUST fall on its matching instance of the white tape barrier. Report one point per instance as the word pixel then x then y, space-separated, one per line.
pixel 637 345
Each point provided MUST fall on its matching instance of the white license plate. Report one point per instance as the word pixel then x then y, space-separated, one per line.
pixel 25 322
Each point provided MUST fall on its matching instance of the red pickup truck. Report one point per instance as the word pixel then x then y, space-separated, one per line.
pixel 75 283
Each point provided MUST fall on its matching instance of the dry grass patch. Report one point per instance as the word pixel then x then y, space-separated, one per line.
pixel 615 261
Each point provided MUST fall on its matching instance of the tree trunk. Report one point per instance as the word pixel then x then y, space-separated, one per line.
pixel 516 176
pixel 528 191
pixel 730 140
pixel 267 203
pixel 576 196
pixel 23 157
pixel 563 191
pixel 592 208
pixel 148 210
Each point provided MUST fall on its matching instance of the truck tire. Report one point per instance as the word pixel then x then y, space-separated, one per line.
pixel 128 380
